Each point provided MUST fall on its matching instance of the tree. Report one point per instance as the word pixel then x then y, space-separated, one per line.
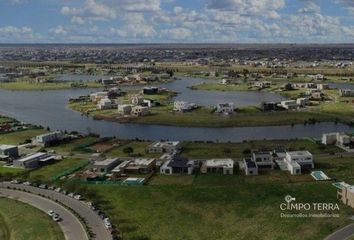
pixel 128 150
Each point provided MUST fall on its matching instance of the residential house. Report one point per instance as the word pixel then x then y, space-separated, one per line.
pixel 106 165
pixel 289 105
pixel 181 106
pixel 124 109
pixel 178 165
pixel 34 160
pixel 165 147
pixel 263 160
pixel 346 195
pixel 104 103
pixel 223 166
pixel 48 138
pixel 299 161
pixel 140 111
pixel 346 93
pixel 225 108
pixel 250 167
pixel 8 152
pixel 135 166
pixel 302 102
pixel 150 90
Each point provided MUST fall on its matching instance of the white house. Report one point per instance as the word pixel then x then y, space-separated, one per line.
pixel 289 104
pixel 329 138
pixel 124 109
pixel 303 158
pixel 263 160
pixel 225 108
pixel 164 147
pixel 182 106
pixel 140 111
pixel 48 138
pixel 104 103
pixel 224 166
pixel 250 167
pixel 33 160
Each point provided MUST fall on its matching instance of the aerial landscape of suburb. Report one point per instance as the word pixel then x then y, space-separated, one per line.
pixel 177 120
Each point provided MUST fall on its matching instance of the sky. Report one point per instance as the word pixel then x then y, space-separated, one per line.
pixel 177 21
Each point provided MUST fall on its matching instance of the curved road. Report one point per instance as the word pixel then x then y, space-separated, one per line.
pixel 342 234
pixel 93 221
pixel 71 226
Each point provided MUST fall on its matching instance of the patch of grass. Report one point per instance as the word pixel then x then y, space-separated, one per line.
pixel 47 172
pixel 20 136
pixel 77 145
pixel 218 207
pixel 341 169
pixel 139 149
pixel 24 222
pixel 11 170
pixel 29 86
pixel 203 117
pixel 198 150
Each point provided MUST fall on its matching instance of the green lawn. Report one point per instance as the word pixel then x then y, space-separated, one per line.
pixel 139 149
pixel 11 170
pixel 203 117
pixel 236 150
pixel 19 221
pixel 20 136
pixel 28 86
pixel 46 173
pixel 341 169
pixel 217 207
pixel 76 145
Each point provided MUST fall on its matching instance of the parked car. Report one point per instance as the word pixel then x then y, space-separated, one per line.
pixel 77 197
pixel 27 183
pixel 51 188
pixel 51 213
pixel 15 181
pixel 58 189
pixel 43 186
pixel 56 217
pixel 71 195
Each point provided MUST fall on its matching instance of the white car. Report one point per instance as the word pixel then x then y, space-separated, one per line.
pixel 77 197
pixel 108 225
pixel 56 218
pixel 51 213
pixel 58 189
pixel 15 181
pixel 71 195
pixel 51 188
pixel 27 183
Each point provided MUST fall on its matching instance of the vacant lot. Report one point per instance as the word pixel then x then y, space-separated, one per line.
pixel 217 207
pixel 47 172
pixel 20 136
pixel 20 221
pixel 239 150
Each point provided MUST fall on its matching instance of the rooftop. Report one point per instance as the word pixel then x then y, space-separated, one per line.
pixel 5 147
pixel 32 156
pixel 299 153
pixel 106 162
pixel 227 162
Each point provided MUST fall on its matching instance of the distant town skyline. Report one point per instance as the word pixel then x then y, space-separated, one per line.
pixel 177 21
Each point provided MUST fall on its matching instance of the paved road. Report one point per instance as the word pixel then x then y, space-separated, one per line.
pixel 342 234
pixel 71 226
pixel 93 221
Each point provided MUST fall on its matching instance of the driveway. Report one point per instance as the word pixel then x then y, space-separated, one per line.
pixel 70 225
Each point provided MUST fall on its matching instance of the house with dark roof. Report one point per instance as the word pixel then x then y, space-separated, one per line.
pixel 178 165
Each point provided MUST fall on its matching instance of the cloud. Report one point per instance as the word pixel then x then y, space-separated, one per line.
pixel 17 34
pixel 59 30
pixel 348 4
pixel 310 7
pixel 91 10
pixel 264 8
